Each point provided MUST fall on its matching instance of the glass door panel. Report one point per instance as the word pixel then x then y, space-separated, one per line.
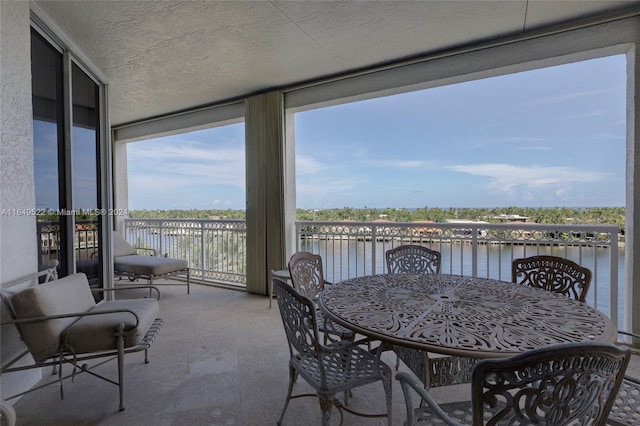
pixel 66 162
pixel 48 134
pixel 84 154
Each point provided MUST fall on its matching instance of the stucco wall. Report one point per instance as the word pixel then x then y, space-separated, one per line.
pixel 18 250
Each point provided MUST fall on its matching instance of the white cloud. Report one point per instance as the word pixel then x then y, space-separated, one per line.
pixel 520 139
pixel 399 164
pixel 568 97
pixel 183 166
pixel 509 178
pixel 535 148
pixel 586 114
pixel 402 164
pixel 309 166
pixel 609 136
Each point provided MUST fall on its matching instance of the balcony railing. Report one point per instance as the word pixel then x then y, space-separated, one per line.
pixel 216 251
pixel 85 240
pixel 351 249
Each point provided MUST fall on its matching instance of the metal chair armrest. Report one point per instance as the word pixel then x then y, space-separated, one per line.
pixel 634 345
pixel 128 287
pixel 153 251
pixel 73 315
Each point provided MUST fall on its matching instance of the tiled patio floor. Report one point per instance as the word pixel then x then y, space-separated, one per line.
pixel 220 359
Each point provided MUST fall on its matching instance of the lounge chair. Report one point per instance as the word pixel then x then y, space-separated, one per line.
pixel 128 263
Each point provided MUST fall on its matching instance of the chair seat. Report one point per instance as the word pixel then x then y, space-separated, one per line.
pixel 95 333
pixel 148 265
pixel 625 408
pixel 344 369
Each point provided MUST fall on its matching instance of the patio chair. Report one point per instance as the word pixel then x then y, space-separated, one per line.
pixel 61 324
pixel 625 411
pixel 128 263
pixel 307 278
pixel 329 369
pixel 565 384
pixel 412 258
pixel 552 273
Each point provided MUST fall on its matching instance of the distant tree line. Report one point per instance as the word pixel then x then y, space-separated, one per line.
pixel 187 214
pixel 560 215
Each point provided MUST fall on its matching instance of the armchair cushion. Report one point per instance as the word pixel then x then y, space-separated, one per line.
pixel 65 295
pixel 94 333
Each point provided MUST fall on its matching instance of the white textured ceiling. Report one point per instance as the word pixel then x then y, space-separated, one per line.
pixel 164 56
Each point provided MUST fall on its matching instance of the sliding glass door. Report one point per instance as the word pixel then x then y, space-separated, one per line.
pixel 66 119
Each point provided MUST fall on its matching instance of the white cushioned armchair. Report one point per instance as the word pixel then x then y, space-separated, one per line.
pixel 60 323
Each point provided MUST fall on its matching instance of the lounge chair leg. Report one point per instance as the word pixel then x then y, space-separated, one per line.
pixel 121 366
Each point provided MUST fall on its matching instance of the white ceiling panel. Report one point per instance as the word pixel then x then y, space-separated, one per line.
pixel 165 56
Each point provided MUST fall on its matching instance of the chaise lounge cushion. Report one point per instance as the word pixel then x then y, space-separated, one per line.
pixel 148 265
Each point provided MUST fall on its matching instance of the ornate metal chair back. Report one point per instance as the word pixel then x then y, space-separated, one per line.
pixel 552 273
pixel 306 273
pixel 567 384
pixel 412 258
pixel 298 318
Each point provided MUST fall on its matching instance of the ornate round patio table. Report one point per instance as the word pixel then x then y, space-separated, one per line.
pixel 460 315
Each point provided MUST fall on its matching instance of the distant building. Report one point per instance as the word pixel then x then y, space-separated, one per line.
pixel 511 218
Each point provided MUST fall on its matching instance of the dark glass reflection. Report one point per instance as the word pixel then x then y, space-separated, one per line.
pixel 84 153
pixel 62 211
pixel 46 84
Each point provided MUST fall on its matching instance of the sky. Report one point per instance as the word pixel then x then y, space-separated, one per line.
pixel 553 137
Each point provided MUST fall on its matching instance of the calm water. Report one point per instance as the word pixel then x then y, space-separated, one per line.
pixel 345 259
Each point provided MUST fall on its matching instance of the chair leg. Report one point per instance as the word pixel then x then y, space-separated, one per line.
pixel 7 413
pixel 387 385
pixel 326 405
pixel 293 374
pixel 121 367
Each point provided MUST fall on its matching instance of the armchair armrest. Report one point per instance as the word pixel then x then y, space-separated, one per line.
pixel 152 251
pixel 128 287
pixel 631 341
pixel 79 315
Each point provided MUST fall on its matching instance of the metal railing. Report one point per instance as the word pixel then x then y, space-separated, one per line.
pixel 216 249
pixel 351 249
pixel 85 240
